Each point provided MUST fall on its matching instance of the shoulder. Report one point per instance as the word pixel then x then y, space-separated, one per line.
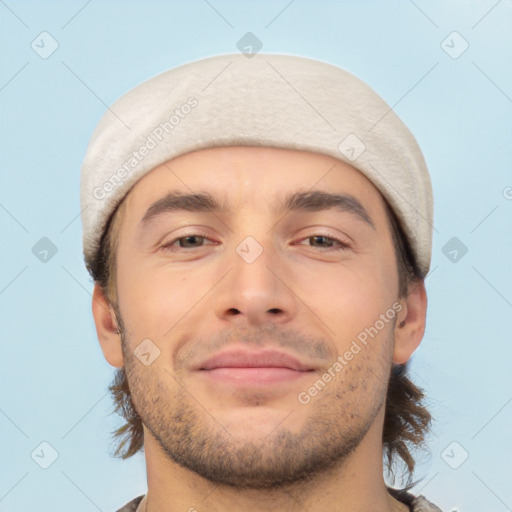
pixel 416 504
pixel 132 506
pixel 421 504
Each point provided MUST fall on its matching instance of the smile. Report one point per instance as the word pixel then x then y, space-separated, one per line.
pixel 245 368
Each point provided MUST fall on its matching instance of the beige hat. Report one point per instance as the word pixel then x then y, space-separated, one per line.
pixel 277 101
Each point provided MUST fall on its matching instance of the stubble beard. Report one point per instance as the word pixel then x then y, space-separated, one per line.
pixel 337 423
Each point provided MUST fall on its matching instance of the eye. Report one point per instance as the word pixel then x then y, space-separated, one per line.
pixel 197 240
pixel 192 241
pixel 327 242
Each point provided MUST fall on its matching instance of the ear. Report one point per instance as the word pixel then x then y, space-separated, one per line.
pixel 106 327
pixel 410 324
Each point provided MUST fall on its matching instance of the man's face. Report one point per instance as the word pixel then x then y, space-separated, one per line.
pixel 250 306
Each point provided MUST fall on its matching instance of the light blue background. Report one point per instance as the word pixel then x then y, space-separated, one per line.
pixel 53 376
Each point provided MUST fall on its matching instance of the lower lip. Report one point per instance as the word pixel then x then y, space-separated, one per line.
pixel 254 376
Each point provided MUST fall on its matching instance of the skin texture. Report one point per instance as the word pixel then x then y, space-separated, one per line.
pixel 218 444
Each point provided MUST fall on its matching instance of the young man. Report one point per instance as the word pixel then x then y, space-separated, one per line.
pixel 259 230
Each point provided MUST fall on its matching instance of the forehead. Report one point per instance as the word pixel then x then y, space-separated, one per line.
pixel 260 177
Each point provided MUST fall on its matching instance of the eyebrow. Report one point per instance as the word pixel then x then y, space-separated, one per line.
pixel 312 201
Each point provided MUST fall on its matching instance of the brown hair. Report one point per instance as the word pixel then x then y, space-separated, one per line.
pixel 407 420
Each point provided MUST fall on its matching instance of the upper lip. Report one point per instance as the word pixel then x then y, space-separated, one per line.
pixel 236 358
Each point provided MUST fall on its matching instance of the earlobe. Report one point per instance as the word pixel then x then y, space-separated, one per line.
pixel 410 324
pixel 106 328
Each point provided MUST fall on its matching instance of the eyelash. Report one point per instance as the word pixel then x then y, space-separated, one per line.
pixel 168 246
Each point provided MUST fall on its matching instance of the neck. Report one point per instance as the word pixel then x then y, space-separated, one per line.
pixel 356 485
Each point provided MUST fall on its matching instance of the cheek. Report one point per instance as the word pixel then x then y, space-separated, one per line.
pixel 349 298
pixel 155 301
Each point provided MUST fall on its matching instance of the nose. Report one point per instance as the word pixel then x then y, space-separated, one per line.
pixel 256 292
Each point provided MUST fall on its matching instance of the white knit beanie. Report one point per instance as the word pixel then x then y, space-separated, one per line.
pixel 277 101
